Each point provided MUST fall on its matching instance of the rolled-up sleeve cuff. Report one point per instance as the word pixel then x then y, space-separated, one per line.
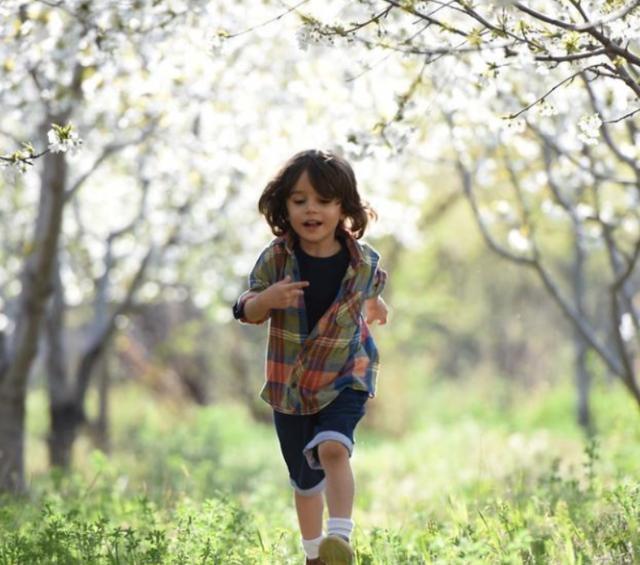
pixel 238 309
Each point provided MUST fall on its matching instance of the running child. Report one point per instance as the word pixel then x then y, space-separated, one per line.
pixel 319 287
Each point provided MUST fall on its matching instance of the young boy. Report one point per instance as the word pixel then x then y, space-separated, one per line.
pixel 313 282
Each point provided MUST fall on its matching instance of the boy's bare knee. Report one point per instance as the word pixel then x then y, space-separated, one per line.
pixel 330 451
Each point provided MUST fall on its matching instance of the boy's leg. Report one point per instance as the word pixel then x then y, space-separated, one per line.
pixel 310 510
pixel 294 432
pixel 332 445
pixel 335 549
pixel 340 488
pixel 330 450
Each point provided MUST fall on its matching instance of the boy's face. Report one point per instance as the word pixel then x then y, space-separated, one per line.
pixel 313 217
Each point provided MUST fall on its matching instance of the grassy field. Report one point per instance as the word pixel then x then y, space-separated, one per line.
pixel 484 475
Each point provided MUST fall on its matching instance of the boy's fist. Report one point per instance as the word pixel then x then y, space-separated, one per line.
pixel 376 309
pixel 284 293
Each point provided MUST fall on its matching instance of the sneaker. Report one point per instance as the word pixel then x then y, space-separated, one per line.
pixel 336 550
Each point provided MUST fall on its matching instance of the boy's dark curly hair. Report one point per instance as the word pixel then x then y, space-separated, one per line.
pixel 331 176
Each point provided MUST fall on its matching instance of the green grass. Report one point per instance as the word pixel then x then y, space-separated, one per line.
pixel 484 475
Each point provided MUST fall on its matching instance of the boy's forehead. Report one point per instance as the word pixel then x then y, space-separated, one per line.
pixel 303 185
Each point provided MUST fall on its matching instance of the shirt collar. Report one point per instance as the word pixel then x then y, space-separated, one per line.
pixel 288 240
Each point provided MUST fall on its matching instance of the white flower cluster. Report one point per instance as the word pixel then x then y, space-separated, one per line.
pixel 18 165
pixel 524 59
pixel 546 109
pixel 512 126
pixel 19 161
pixel 218 43
pixel 589 129
pixel 623 30
pixel 315 33
pixel 64 139
pixel 358 145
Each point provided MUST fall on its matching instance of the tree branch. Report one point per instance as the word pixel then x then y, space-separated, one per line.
pixel 108 151
pixel 558 85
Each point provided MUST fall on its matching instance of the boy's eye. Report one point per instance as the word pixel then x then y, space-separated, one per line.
pixel 321 200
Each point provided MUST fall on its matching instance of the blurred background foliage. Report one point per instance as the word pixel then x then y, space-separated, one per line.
pixel 497 432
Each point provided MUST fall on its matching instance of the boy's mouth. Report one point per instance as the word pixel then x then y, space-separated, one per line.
pixel 311 224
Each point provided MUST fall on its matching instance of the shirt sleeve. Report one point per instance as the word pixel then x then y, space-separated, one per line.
pixel 261 277
pixel 377 278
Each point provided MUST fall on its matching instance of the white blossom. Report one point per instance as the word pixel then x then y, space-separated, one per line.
pixel 552 210
pixel 584 211
pixel 62 140
pixel 546 109
pixel 218 43
pixel 312 34
pixel 589 129
pixel 627 330
pixel 607 213
pixel 517 126
pixel 13 166
pixel 504 209
pixel 518 241
pixel 630 225
pixel 524 56
pixel 542 70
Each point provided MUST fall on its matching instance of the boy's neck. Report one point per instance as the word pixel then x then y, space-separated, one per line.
pixel 320 249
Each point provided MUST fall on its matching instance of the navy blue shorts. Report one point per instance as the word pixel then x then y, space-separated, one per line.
pixel 300 435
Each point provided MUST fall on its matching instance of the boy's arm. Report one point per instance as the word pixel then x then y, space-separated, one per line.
pixel 255 307
pixel 261 277
pixel 375 307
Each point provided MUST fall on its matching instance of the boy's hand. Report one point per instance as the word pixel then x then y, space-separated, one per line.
pixel 376 309
pixel 283 294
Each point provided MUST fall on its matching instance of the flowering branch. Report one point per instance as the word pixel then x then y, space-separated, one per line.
pixel 61 139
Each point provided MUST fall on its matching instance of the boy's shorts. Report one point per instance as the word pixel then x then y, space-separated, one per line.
pixel 300 435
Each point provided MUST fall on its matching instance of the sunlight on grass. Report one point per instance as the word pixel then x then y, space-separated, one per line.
pixel 483 476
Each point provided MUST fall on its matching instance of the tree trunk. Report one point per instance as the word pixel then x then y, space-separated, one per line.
pixel 582 376
pixel 62 412
pixel 12 417
pixel 65 419
pixel 36 288
pixel 101 435
pixel 583 383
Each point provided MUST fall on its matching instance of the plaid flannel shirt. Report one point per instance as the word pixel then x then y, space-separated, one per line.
pixel 304 373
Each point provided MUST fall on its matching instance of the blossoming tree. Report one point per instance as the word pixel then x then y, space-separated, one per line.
pixel 80 63
pixel 535 106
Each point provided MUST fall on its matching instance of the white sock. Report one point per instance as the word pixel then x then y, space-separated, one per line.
pixel 340 527
pixel 311 547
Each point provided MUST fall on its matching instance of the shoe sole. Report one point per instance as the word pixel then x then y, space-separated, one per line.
pixel 335 551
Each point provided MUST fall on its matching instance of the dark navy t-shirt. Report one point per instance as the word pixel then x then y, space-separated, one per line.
pixel 325 275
